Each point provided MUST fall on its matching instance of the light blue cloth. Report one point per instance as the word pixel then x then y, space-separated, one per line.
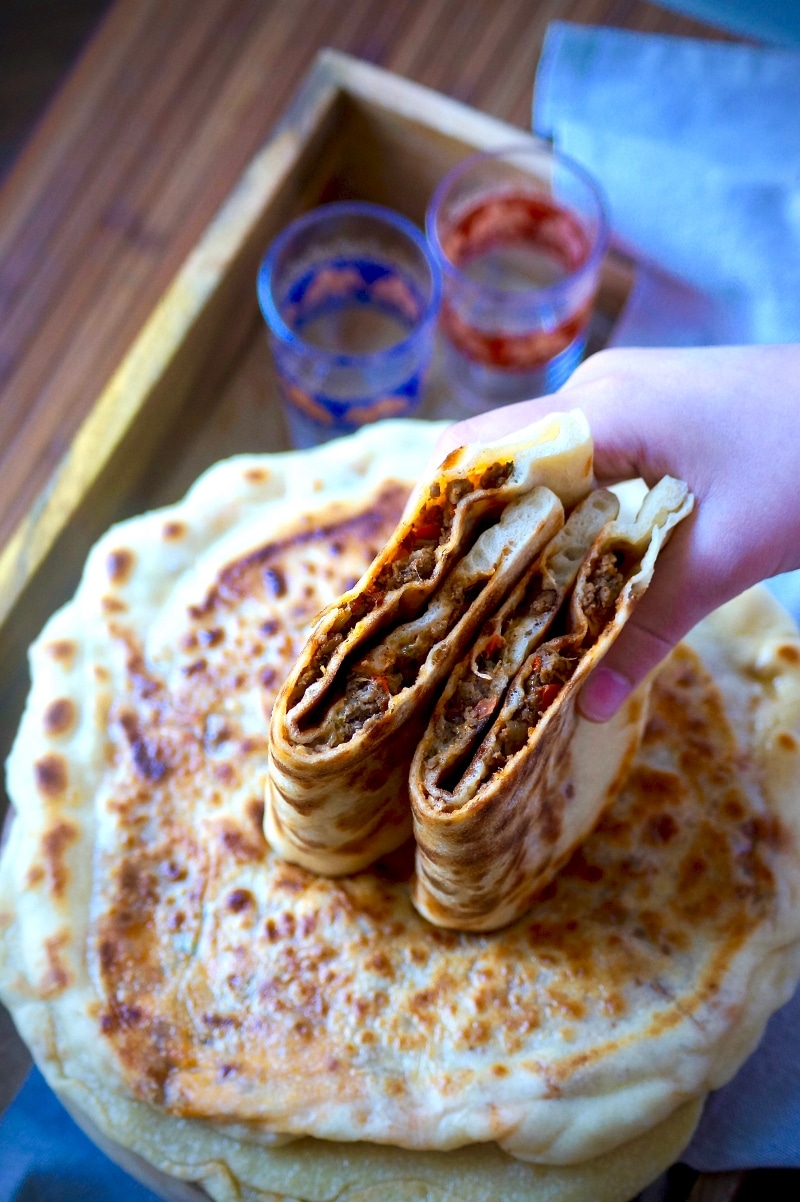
pixel 697 146
pixel 45 1157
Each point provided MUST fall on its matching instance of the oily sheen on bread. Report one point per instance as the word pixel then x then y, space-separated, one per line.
pixel 346 722
pixel 239 1022
pixel 498 811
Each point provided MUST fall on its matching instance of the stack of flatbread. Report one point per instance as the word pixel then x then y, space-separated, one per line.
pixel 222 1015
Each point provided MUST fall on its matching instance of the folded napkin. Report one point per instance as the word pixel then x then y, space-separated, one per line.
pixel 697 147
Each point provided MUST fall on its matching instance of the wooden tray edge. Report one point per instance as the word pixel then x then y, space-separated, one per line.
pixel 142 372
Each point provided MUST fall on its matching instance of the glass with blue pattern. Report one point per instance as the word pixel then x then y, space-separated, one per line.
pixel 351 295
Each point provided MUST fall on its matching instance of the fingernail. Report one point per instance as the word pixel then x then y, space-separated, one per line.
pixel 603 694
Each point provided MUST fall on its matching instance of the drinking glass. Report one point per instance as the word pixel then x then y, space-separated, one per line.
pixel 350 293
pixel 519 234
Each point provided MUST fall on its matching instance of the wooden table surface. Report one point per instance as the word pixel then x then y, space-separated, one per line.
pixel 147 135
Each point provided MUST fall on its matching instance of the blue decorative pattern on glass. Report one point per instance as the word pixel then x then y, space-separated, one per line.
pixel 351 299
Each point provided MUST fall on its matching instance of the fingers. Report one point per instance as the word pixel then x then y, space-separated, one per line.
pixel 623 668
pixel 724 420
pixel 663 615
pixel 603 694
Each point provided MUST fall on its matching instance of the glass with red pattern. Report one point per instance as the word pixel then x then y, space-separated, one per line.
pixel 519 234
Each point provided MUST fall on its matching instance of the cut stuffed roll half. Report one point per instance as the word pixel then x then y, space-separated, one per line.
pixel 508 780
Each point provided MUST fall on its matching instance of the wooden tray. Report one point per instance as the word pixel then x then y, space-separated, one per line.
pixel 197 383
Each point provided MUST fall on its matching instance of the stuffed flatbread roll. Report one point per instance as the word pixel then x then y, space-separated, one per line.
pixel 479 681
pixel 339 799
pixel 497 815
pixel 347 721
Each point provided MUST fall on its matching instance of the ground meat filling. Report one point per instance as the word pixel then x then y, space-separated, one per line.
pixel 432 529
pixel 601 591
pixel 495 475
pixel 365 696
pixel 475 696
pixel 470 704
pixel 372 681
pixel 551 668
pixel 351 613
pixel 415 563
pixel 555 662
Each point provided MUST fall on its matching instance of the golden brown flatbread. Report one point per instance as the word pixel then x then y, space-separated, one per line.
pixel 203 1002
pixel 321 1172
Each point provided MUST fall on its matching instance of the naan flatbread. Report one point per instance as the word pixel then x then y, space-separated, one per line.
pixel 202 1001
